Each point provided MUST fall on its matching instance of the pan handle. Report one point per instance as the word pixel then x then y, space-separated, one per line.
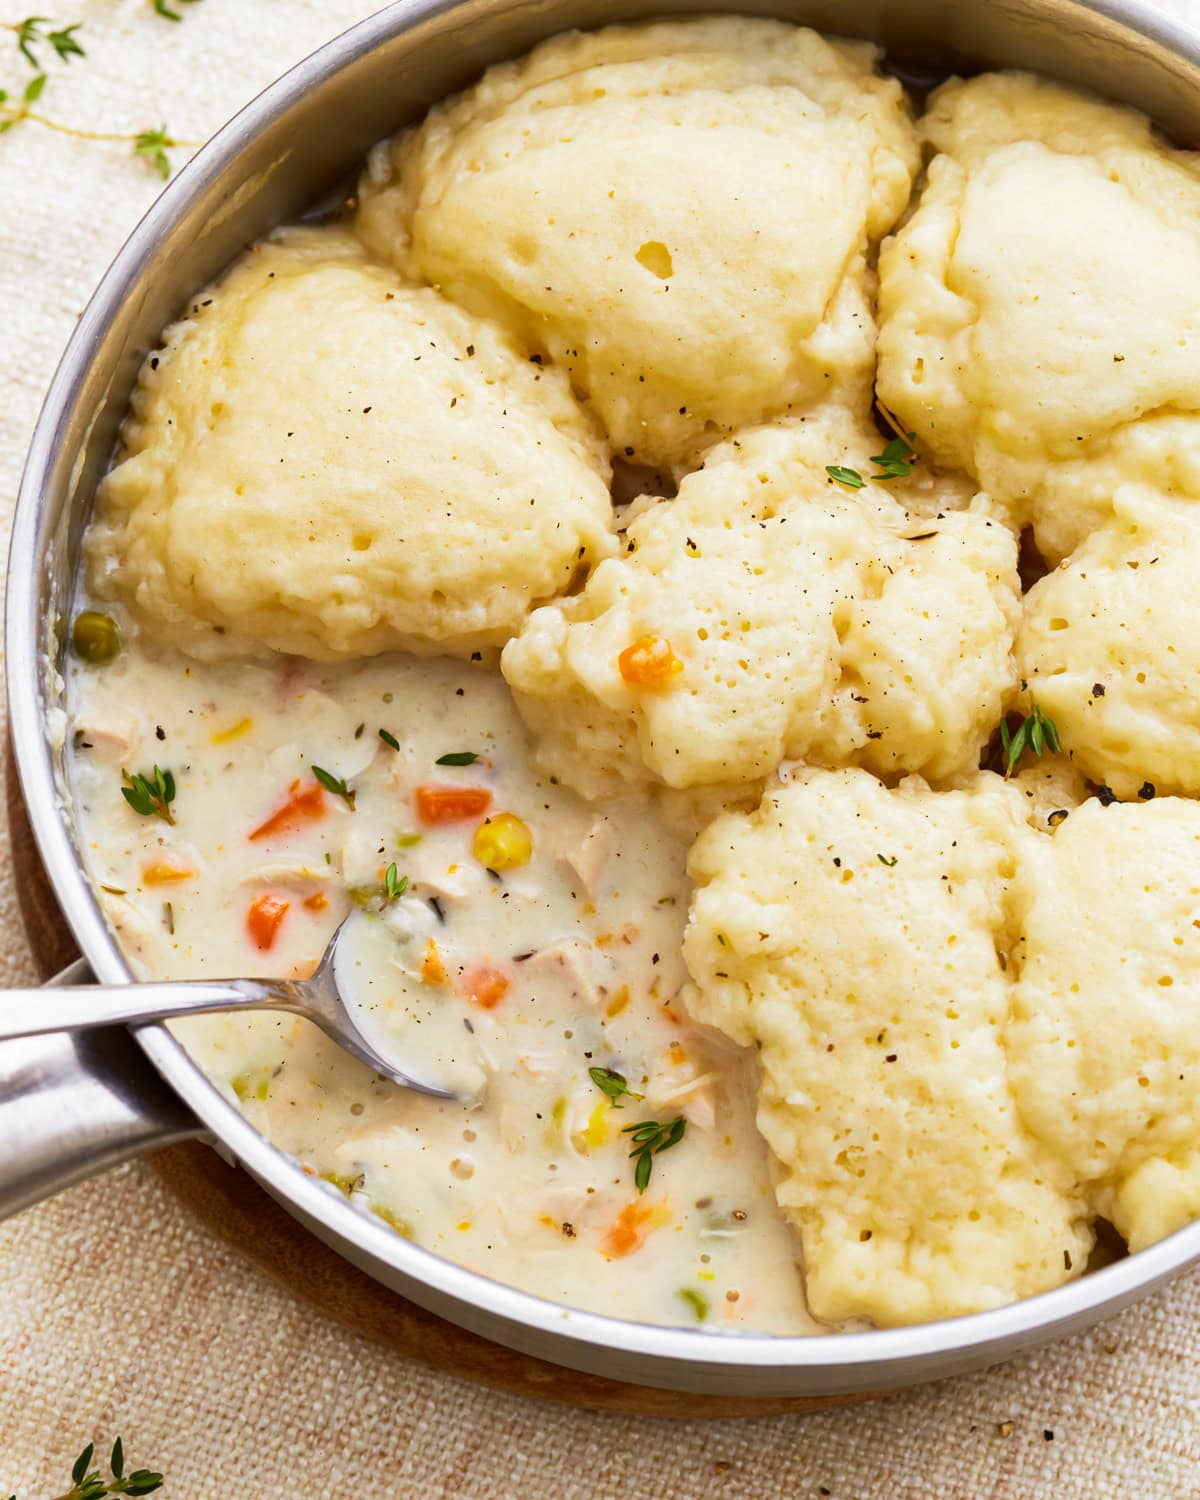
pixel 73 1105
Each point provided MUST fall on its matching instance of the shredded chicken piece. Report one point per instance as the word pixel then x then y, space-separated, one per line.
pixel 570 959
pixel 138 939
pixel 291 874
pixel 456 881
pixel 685 1083
pixel 588 854
pixel 111 731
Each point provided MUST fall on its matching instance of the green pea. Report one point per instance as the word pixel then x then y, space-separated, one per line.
pixel 95 637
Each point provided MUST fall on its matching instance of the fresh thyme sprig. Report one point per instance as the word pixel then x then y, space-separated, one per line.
pixel 153 146
pixel 149 145
pixel 30 36
pixel 36 32
pixel 895 462
pixel 335 784
pixel 651 1138
pixel 31 93
pixel 87 1484
pixel 612 1083
pixel 897 459
pixel 394 885
pixel 1036 732
pixel 150 795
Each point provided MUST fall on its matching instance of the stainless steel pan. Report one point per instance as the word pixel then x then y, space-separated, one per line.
pixel 73 1106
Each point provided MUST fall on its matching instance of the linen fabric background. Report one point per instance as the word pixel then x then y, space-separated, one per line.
pixel 119 1314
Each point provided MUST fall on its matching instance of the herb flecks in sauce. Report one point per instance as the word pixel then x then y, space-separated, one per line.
pixel 518 959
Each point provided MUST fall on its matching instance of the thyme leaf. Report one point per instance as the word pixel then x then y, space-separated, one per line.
pixel 150 795
pixel 394 885
pixel 87 1483
pixel 389 739
pixel 163 9
pixel 152 146
pixel 31 35
pixel 1036 732
pixel 897 459
pixel 612 1083
pixel 851 478
pixel 457 758
pixel 335 784
pixel 651 1138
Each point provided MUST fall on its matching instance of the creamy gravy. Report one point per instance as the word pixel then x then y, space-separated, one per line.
pixel 507 985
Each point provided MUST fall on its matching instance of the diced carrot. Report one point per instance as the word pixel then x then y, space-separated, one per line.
pixel 483 986
pixel 165 872
pixel 649 663
pixel 303 803
pixel 451 804
pixel 629 1230
pixel 265 917
pixel 433 970
pixel 318 901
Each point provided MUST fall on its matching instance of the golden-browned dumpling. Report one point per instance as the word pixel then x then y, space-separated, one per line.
pixel 854 935
pixel 326 461
pixel 1040 312
pixel 1110 648
pixel 679 213
pixel 769 612
pixel 1105 1049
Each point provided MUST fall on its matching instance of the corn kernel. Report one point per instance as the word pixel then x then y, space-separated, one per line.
pixel 503 842
pixel 596 1131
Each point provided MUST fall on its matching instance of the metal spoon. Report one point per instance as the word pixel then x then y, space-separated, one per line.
pixel 75 1007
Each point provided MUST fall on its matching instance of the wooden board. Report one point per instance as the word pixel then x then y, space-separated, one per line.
pixel 235 1208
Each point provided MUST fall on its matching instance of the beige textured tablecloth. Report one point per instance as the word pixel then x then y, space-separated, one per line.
pixel 118 1314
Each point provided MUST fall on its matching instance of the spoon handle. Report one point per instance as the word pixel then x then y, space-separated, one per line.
pixel 34 1012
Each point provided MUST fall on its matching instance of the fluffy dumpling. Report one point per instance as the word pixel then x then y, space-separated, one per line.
pixel 1105 1047
pixel 679 213
pixel 853 934
pixel 325 461
pixel 1040 312
pixel 791 617
pixel 1110 648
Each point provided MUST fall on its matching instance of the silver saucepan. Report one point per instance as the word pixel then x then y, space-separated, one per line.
pixel 71 1106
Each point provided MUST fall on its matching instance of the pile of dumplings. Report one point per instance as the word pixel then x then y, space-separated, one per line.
pixel 718 265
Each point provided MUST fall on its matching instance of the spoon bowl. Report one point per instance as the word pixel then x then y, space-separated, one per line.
pixel 34 1012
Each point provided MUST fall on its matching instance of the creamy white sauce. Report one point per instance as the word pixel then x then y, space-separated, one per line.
pixel 528 1179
